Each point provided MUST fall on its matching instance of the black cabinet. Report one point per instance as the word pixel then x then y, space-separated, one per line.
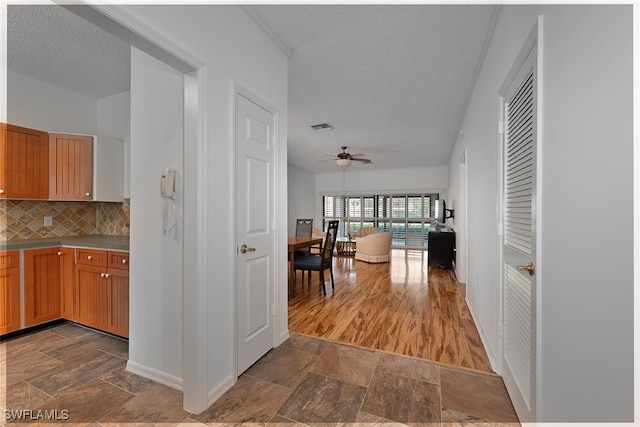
pixel 442 248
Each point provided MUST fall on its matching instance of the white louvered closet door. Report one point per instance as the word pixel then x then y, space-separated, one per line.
pixel 519 248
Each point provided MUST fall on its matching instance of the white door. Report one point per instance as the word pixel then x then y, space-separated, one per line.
pixel 519 105
pixel 255 234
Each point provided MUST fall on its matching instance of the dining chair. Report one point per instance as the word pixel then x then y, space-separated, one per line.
pixel 304 228
pixel 324 261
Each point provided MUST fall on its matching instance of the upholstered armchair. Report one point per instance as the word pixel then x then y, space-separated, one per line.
pixel 374 247
pixel 364 231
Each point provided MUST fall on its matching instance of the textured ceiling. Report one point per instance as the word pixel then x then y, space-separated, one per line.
pixel 51 44
pixel 392 79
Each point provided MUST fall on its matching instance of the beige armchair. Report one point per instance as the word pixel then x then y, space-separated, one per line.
pixel 374 247
pixel 364 231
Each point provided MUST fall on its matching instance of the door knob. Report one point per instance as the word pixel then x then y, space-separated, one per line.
pixel 244 249
pixel 529 267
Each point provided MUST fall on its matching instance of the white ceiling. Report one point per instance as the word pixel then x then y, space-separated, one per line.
pixel 392 79
pixel 51 44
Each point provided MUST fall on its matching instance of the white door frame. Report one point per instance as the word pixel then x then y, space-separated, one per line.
pixel 533 41
pixel 195 245
pixel 462 252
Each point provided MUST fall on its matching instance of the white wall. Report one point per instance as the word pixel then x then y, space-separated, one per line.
pixel 155 290
pixel 35 104
pixel 358 179
pixel 235 50
pixel 585 274
pixel 114 116
pixel 301 194
pixel 114 120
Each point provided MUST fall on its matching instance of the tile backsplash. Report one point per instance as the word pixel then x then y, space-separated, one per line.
pixel 24 219
pixel 113 218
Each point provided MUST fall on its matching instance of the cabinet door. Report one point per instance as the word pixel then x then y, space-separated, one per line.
pixel 24 163
pixel 9 292
pixel 108 170
pixel 70 167
pixel 41 285
pixel 66 283
pixel 91 296
pixel 118 323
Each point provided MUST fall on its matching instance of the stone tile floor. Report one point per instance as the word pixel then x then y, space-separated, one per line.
pixel 307 381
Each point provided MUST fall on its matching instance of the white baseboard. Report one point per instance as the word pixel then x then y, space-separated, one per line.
pixel 155 375
pixel 220 389
pixel 283 337
pixel 483 338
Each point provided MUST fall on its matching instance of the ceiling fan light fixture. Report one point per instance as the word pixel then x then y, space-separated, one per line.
pixel 343 163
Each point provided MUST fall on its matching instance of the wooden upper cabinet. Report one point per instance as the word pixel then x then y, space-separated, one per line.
pixel 70 167
pixel 24 163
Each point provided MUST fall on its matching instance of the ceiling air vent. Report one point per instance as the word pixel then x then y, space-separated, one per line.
pixel 321 127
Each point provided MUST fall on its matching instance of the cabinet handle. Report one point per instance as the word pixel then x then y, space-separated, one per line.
pixel 124 261
pixel 107 275
pixel 89 257
pixel 87 194
pixel 59 253
pixel 102 274
pixel 1 191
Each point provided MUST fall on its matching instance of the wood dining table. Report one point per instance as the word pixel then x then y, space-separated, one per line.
pixel 296 243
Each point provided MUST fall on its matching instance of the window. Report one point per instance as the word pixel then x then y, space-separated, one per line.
pixel 407 216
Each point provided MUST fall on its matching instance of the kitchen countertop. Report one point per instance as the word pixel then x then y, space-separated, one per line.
pixel 99 241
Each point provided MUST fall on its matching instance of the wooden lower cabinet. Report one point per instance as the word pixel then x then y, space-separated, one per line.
pixel 118 302
pixel 102 293
pixel 9 291
pixel 67 300
pixel 91 296
pixel 41 285
pixel 88 286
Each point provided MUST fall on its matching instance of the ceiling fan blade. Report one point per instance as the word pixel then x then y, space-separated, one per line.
pixel 327 160
pixel 362 160
pixel 357 155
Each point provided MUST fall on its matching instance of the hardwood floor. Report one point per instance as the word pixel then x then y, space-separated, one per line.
pixel 402 307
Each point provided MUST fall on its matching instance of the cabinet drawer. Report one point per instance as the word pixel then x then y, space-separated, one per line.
pixel 94 257
pixel 119 260
pixel 9 259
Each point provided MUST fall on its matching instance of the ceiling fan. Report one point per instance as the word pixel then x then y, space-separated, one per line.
pixel 344 159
